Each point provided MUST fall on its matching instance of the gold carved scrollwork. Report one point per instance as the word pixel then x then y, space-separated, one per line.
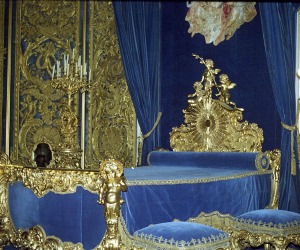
pixel 241 239
pixel 46 29
pixel 214 124
pixel 111 132
pixel 275 159
pixel 35 238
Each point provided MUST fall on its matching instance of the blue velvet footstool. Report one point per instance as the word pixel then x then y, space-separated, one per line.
pixel 181 235
pixel 278 228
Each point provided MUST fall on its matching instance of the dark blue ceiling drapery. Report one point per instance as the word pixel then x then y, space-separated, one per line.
pixel 279 32
pixel 138 27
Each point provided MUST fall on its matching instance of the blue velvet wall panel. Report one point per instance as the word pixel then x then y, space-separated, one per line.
pixel 242 58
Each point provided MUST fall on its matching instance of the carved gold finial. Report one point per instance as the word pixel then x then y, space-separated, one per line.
pixel 113 184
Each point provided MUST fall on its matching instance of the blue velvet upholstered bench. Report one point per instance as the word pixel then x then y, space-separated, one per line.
pixel 278 228
pixel 181 235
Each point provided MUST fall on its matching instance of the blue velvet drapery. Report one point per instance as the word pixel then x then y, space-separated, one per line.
pixel 279 32
pixel 138 27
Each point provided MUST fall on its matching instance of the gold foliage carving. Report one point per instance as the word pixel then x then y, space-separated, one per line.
pixel 213 124
pixel 111 113
pixel 41 181
pixel 46 29
pixel 241 239
pixel 35 238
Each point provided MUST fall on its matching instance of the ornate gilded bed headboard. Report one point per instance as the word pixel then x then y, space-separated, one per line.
pixel 213 122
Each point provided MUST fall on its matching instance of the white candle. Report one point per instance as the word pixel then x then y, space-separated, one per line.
pixel 68 68
pixel 79 61
pixel 65 66
pixel 68 59
pixel 53 71
pixel 90 75
pixel 84 69
pixel 57 72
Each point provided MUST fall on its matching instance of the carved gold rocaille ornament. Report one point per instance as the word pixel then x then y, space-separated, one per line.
pixel 45 31
pixel 213 124
pixel 112 122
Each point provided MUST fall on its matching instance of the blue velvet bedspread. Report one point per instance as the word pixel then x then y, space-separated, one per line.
pixel 181 185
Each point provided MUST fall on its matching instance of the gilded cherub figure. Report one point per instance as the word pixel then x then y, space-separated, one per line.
pixel 208 77
pixel 197 96
pixel 275 157
pixel 114 182
pixel 224 88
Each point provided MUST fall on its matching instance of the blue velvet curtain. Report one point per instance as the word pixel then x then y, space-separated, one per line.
pixel 138 27
pixel 279 31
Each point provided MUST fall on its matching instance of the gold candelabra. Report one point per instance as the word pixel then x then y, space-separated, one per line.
pixel 70 77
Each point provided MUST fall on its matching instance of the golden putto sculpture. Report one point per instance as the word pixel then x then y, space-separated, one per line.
pixel 114 182
pixel 71 77
pixel 214 124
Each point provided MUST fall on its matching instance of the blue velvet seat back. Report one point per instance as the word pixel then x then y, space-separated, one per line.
pixel 75 217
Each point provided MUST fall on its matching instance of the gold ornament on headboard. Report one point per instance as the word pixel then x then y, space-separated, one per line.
pixel 71 77
pixel 214 124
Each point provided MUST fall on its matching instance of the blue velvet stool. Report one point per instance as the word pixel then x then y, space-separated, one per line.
pixel 278 228
pixel 181 235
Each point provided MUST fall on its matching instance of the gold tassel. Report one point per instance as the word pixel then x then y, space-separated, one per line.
pixel 141 142
pixel 293 158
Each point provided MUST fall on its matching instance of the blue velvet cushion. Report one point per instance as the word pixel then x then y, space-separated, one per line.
pixel 269 221
pixel 231 160
pixel 181 234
